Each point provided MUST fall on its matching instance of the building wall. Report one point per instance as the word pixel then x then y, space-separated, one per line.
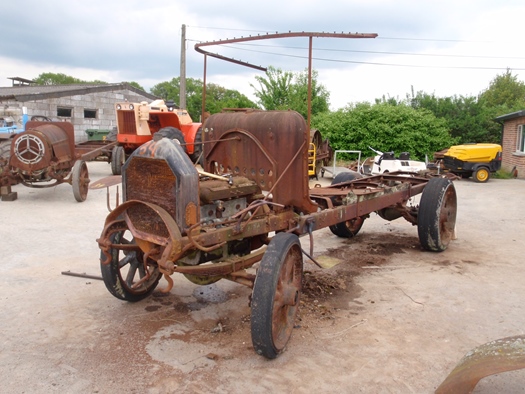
pixel 511 159
pixel 102 102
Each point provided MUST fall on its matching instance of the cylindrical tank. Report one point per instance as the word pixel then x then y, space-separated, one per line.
pixel 38 147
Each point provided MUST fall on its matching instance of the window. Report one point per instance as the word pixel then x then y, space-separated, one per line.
pixel 64 112
pixel 90 113
pixel 520 141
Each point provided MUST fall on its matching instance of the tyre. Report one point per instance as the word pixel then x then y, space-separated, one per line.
pixel 171 133
pixel 346 176
pixel 349 228
pixel 126 268
pixel 5 150
pixel 481 175
pixel 197 157
pixel 276 294
pixel 80 180
pixel 436 219
pixel 112 135
pixel 118 158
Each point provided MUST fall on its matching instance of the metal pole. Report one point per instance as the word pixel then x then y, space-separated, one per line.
pixel 203 109
pixel 182 82
pixel 309 82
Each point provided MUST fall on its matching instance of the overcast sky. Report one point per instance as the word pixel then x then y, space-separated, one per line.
pixel 443 47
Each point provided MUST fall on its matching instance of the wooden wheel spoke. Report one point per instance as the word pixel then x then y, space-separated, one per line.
pixel 126 276
pixel 276 294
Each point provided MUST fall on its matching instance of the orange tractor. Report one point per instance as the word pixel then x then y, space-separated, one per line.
pixel 138 123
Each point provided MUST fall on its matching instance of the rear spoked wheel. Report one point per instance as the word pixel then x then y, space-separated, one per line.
pixel 276 294
pixel 126 276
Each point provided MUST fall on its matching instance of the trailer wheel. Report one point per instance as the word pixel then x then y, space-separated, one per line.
pixel 349 228
pixel 197 157
pixel 437 214
pixel 80 180
pixel 126 269
pixel 5 149
pixel 172 133
pixel 118 158
pixel 481 175
pixel 276 293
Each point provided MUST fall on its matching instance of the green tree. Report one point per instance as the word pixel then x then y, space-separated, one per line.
pixel 384 127
pixel 506 90
pixel 56 79
pixel 467 118
pixel 136 85
pixel 299 95
pixel 63 79
pixel 281 90
pixel 217 97
pixel 274 89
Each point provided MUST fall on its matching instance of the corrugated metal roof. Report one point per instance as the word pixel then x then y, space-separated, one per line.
pixel 42 92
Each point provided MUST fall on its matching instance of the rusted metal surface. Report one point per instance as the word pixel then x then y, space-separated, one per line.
pixel 214 224
pixel 157 166
pixel 268 147
pixel 156 173
pixel 45 155
pixel 95 150
pixel 43 144
pixel 268 36
pixel 502 355
pixel 310 35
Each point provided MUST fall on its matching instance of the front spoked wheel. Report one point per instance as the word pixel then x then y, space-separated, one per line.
pixel 126 276
pixel 276 294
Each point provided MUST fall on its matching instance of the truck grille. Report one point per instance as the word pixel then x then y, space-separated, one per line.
pixel 126 122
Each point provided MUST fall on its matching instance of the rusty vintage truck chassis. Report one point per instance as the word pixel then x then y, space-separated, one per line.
pixel 250 204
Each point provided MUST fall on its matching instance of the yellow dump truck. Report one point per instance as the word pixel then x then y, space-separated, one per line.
pixel 476 160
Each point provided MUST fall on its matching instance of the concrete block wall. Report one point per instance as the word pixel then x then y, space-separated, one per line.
pixel 102 102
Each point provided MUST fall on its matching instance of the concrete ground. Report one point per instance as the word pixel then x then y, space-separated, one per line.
pixel 390 318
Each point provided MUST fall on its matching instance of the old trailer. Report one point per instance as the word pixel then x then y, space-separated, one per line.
pixel 45 155
pixel 240 218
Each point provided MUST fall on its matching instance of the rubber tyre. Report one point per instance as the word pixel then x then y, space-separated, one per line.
pixel 349 228
pixel 80 180
pixel 197 156
pixel 171 133
pixel 345 177
pixel 117 276
pixel 118 158
pixel 112 135
pixel 276 295
pixel 437 214
pixel 481 175
pixel 5 150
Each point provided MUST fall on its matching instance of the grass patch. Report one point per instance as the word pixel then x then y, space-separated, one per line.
pixel 502 174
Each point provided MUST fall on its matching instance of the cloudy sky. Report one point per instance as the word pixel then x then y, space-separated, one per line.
pixel 443 47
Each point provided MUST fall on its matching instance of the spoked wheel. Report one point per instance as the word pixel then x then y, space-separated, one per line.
pixel 118 158
pixel 349 228
pixel 126 276
pixel 80 180
pixel 437 214
pixel 276 293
